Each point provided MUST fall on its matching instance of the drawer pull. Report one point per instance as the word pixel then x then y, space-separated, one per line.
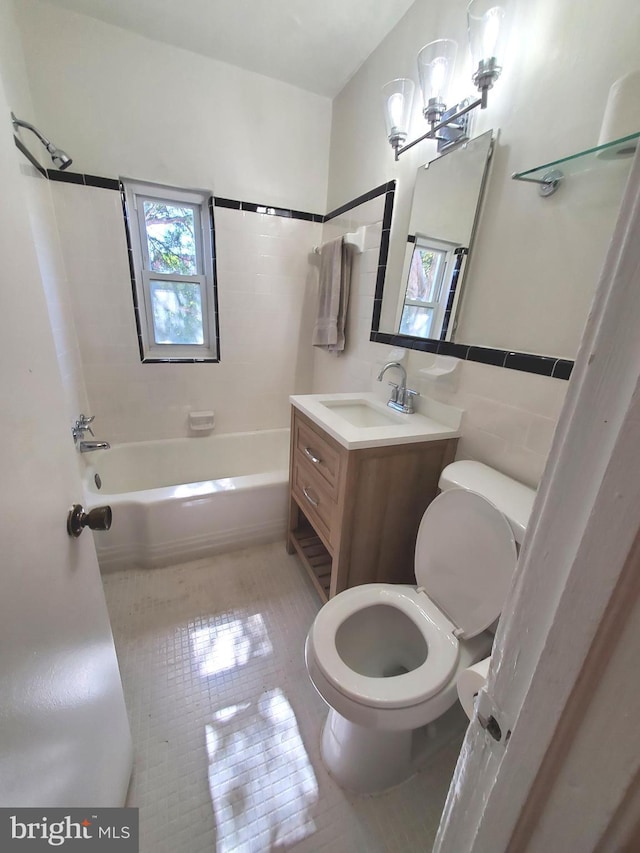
pixel 311 455
pixel 311 500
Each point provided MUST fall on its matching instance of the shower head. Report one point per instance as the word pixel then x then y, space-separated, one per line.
pixel 60 158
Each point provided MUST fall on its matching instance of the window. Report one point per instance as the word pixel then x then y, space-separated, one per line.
pixel 428 278
pixel 171 244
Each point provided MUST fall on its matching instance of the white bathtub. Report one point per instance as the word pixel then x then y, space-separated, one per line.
pixel 186 498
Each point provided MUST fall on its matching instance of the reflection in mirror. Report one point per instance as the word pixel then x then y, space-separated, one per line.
pixel 446 199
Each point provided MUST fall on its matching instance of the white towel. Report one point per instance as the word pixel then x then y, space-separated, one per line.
pixel 333 296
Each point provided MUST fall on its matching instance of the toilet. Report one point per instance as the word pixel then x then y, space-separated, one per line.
pixel 385 657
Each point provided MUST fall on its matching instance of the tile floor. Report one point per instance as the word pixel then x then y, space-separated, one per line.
pixel 226 724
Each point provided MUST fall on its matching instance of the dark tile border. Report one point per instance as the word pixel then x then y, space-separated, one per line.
pixel 361 199
pixel 252 207
pixel 134 291
pixel 22 147
pixel 558 368
pixel 543 365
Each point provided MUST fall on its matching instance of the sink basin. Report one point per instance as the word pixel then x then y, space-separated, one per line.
pixel 362 419
pixel 360 413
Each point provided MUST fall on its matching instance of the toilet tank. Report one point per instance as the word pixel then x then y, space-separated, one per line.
pixel 513 499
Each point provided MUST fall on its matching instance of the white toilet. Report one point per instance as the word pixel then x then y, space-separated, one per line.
pixel 385 657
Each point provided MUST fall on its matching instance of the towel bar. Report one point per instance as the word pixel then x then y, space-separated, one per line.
pixel 354 239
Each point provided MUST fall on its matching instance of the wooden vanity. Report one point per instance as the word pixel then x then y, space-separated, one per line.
pixel 354 513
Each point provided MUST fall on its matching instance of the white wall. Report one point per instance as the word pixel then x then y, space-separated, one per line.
pixel 124 105
pixel 509 417
pixel 265 282
pixel 121 104
pixel 540 255
pixel 42 220
pixel 537 259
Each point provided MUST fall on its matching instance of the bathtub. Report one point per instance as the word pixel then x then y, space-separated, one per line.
pixel 187 498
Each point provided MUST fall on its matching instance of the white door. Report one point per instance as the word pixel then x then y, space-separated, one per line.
pixel 564 673
pixel 64 733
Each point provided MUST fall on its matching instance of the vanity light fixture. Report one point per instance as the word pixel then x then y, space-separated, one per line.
pixel 488 32
pixel 397 96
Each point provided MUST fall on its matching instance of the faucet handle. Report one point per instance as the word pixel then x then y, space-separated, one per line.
pixel 394 392
pixel 409 395
pixel 85 420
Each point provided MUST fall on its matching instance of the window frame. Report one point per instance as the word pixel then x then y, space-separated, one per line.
pixel 444 282
pixel 135 194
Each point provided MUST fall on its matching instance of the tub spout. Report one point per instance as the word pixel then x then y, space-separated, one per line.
pixel 88 446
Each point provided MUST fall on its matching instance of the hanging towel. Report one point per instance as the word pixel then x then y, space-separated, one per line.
pixel 333 296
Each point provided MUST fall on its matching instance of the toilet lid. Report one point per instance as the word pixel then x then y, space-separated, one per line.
pixel 465 557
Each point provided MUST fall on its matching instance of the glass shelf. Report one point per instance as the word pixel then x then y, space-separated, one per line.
pixel 550 175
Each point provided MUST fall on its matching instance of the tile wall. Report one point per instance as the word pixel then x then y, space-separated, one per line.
pixel 510 415
pixel 56 288
pixel 266 287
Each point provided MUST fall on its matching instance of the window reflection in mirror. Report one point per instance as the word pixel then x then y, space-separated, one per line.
pixel 430 278
pixel 446 200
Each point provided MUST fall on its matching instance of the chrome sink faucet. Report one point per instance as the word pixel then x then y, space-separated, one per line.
pixel 82 425
pixel 401 397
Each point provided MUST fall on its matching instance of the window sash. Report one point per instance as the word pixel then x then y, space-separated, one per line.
pixel 136 194
pixel 170 350
pixel 142 226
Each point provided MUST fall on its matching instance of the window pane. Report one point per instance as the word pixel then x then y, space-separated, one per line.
pixel 416 321
pixel 177 312
pixel 424 274
pixel 171 238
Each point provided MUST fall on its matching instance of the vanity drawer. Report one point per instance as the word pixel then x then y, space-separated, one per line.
pixel 313 495
pixel 317 451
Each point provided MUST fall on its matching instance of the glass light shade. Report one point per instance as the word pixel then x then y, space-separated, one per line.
pixel 436 62
pixel 397 97
pixel 488 34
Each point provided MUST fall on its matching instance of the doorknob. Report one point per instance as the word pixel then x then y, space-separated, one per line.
pixel 98 518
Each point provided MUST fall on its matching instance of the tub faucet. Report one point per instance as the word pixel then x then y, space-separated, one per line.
pixel 88 446
pixel 78 430
pixel 401 397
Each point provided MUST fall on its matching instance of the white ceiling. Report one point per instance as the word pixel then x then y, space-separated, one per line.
pixel 314 44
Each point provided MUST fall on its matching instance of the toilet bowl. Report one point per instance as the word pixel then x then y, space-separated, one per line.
pixel 385 657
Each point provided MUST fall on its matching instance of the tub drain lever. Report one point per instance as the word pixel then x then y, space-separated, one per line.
pixel 98 518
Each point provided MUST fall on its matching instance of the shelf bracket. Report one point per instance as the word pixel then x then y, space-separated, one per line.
pixel 548 184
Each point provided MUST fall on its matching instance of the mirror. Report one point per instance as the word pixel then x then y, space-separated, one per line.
pixel 421 300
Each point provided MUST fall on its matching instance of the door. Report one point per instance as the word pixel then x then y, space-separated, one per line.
pixel 563 679
pixel 64 733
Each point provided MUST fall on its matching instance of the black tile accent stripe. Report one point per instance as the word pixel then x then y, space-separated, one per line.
pixel 558 368
pixel 22 147
pixel 487 355
pixel 215 281
pixel 226 202
pixel 65 177
pixel 356 202
pixel 562 369
pixel 252 207
pixel 132 273
pixel 102 183
pixel 530 363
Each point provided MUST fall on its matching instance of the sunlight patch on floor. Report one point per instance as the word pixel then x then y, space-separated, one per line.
pixel 228 642
pixel 262 785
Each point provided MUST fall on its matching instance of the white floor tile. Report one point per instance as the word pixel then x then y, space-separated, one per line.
pixel 226 724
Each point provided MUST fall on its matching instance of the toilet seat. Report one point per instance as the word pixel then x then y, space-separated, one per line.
pixel 397 691
pixel 465 558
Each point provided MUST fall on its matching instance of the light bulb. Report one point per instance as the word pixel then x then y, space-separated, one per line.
pixel 491 21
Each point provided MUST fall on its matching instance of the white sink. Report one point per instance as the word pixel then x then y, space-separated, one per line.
pixel 362 413
pixel 363 420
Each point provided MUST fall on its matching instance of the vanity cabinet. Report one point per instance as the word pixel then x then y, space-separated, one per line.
pixel 354 514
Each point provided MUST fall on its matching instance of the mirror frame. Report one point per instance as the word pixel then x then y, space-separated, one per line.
pixel 543 365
